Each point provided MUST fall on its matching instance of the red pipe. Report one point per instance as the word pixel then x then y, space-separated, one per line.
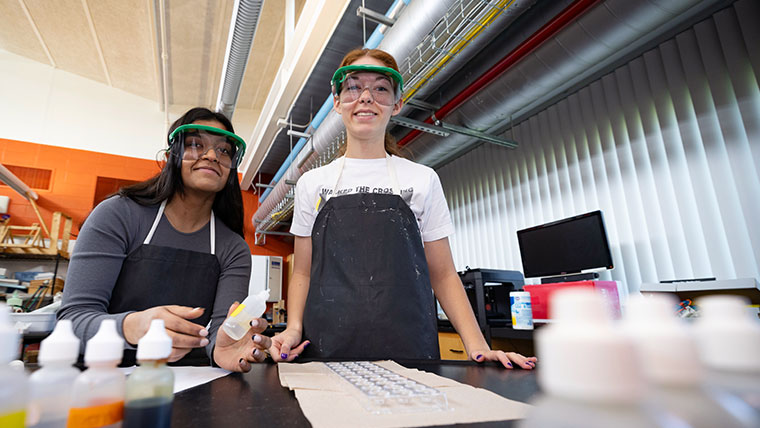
pixel 550 29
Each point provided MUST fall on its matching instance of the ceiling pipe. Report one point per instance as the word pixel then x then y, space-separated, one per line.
pixel 488 34
pixel 585 47
pixel 418 19
pixel 164 63
pixel 239 41
pixel 550 29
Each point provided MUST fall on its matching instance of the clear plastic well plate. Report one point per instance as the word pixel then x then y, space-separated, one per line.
pixel 383 391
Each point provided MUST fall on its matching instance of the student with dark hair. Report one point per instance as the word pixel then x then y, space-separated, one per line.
pixel 171 247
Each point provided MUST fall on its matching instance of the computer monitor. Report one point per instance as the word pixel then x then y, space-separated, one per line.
pixel 567 246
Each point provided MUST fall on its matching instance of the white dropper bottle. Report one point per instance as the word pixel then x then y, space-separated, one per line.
pixel 238 323
pixel 588 372
pixel 13 383
pixel 728 340
pixel 668 356
pixel 150 388
pixel 98 393
pixel 50 387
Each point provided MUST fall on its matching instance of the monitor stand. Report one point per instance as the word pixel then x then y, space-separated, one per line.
pixel 571 278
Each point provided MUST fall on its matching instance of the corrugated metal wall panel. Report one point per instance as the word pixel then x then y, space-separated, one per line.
pixel 667 146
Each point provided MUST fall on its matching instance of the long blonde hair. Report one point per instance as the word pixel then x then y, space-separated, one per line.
pixel 390 143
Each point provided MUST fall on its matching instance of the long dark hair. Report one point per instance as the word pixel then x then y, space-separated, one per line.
pixel 228 203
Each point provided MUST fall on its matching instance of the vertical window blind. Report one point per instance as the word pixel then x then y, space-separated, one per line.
pixel 667 146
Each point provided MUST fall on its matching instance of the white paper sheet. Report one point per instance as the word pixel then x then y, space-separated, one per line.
pixel 188 377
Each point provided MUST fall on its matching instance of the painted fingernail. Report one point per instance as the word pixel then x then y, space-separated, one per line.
pixel 240 361
pixel 204 342
pixel 254 322
pixel 296 356
pixel 257 338
pixel 307 344
pixel 256 353
pixel 283 356
pixel 203 332
pixel 509 364
pixel 479 356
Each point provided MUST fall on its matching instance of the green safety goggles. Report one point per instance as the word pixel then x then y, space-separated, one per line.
pixel 348 85
pixel 195 141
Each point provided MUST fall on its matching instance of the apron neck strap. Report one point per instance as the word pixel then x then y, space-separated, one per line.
pixel 212 227
pixel 342 163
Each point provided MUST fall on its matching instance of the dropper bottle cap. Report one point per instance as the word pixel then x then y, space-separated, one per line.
pixel 727 336
pixel 665 346
pixel 156 344
pixel 582 357
pixel 9 336
pixel 256 304
pixel 106 345
pixel 62 346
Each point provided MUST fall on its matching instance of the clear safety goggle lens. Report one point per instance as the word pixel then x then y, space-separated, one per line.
pixel 197 144
pixel 380 86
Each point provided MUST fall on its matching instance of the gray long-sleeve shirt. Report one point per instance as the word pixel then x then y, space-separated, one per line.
pixel 118 226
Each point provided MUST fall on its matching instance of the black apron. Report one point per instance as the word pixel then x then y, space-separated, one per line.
pixel 152 275
pixel 369 291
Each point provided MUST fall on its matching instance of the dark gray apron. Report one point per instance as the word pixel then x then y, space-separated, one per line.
pixel 369 291
pixel 153 275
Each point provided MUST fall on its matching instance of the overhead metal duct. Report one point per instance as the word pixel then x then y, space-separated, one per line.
pixel 242 29
pixel 440 62
pixel 417 20
pixel 604 34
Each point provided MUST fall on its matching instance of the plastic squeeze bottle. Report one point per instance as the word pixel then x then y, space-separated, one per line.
pixel 13 383
pixel 589 373
pixel 238 323
pixel 668 357
pixel 728 340
pixel 150 388
pixel 98 395
pixel 50 387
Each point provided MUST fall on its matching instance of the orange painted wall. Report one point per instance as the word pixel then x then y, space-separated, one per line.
pixel 73 181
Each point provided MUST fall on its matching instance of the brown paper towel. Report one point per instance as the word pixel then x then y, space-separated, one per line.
pixel 327 402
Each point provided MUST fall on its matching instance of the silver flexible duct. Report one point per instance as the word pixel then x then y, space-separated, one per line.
pixel 474 46
pixel 609 30
pixel 242 29
pixel 417 20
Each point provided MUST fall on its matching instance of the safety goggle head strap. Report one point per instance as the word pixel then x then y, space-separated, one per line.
pixel 342 73
pixel 235 140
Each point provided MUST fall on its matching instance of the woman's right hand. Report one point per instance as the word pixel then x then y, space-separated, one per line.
pixel 185 335
pixel 286 347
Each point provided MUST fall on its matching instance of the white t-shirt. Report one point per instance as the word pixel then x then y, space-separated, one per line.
pixel 420 188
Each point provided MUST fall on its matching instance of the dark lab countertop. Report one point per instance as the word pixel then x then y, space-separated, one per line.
pixel 257 399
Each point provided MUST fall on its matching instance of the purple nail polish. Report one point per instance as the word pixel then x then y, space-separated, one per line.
pixel 479 356
pixel 283 356
pixel 295 357
pixel 307 344
pixel 509 364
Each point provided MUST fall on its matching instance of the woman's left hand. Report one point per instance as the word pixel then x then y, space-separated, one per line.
pixel 237 355
pixel 506 358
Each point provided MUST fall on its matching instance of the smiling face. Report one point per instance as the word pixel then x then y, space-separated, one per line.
pixel 364 117
pixel 205 174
